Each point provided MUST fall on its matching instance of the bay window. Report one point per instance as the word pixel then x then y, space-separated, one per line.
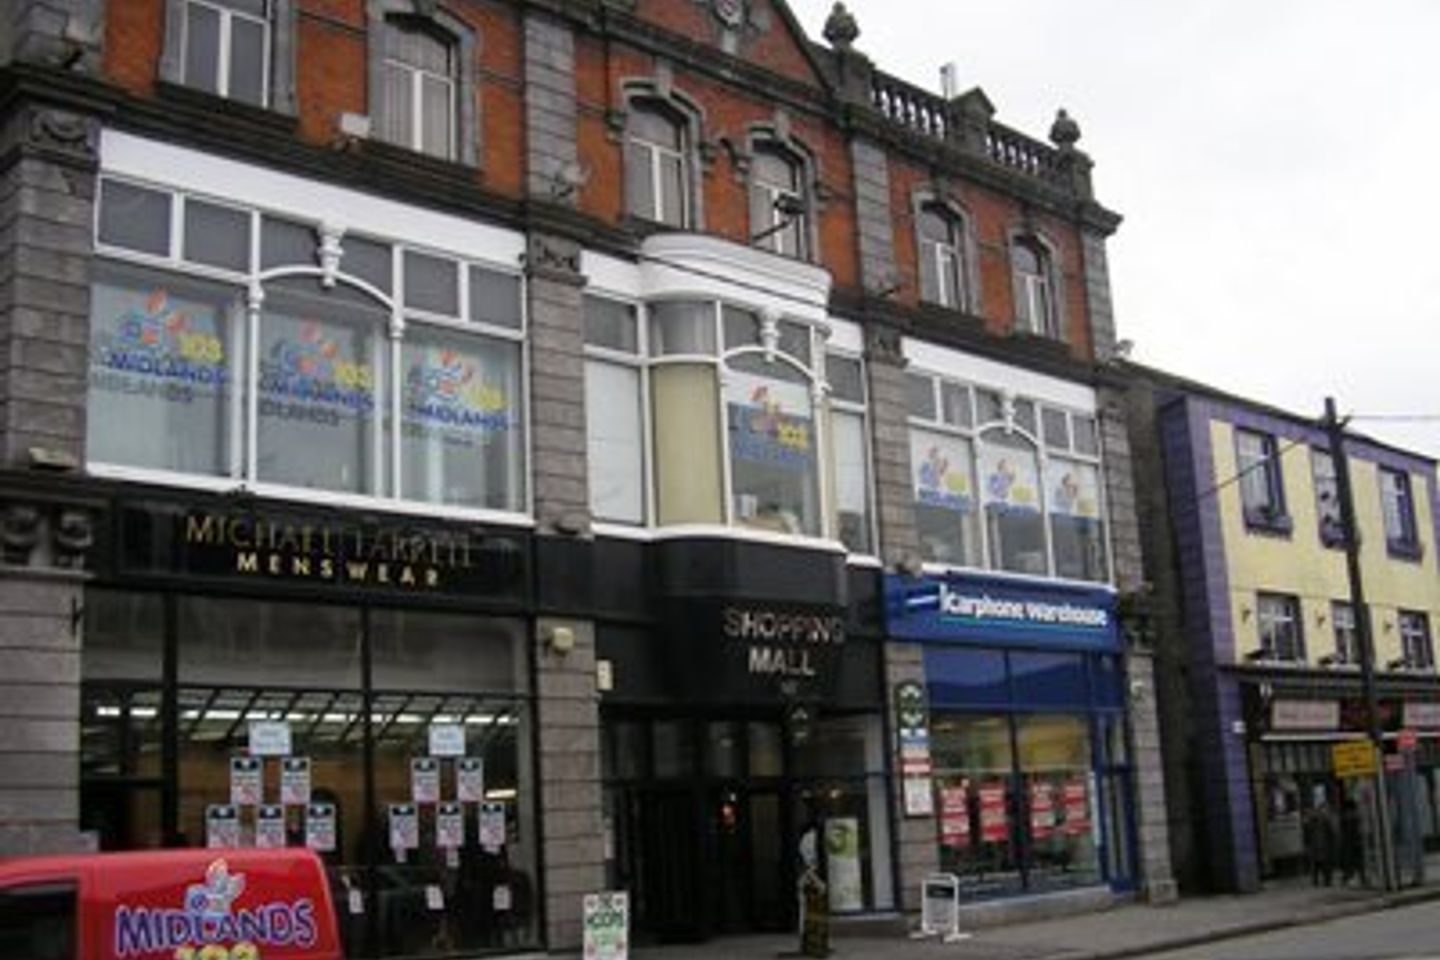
pixel 614 411
pixel 850 442
pixel 295 375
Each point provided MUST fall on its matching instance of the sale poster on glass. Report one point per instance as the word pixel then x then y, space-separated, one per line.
pixel 1077 807
pixel 492 827
pixel 270 826
pixel 222 825
pixel 994 823
pixel 955 816
pixel 247 781
pixel 320 827
pixel 425 780
pixel 404 828
pixel 1042 809
pixel 470 780
pixel 450 826
pixel 295 781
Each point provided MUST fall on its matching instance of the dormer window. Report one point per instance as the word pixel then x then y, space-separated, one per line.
pixel 657 163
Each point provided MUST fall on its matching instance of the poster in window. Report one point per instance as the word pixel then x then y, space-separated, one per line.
pixel 492 827
pixel 470 780
pixel 450 826
pixel 222 825
pixel 424 780
pixel 247 781
pixel 447 740
pixel 295 781
pixel 270 826
pixel 1077 807
pixel 943 468
pixel 955 816
pixel 455 393
pixel 1042 809
pixel 269 738
pixel 404 828
pixel 320 827
pixel 994 821
pixel 313 371
pixel 769 421
pixel 1074 489
pixel 1009 478
pixel 842 864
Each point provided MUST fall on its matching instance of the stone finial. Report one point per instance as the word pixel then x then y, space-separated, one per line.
pixel 841 30
pixel 1064 132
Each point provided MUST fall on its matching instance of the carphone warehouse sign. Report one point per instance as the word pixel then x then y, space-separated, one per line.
pixel 986 609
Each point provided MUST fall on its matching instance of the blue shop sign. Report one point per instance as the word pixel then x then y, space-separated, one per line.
pixel 996 611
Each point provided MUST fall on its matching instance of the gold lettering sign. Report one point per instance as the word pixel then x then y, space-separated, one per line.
pixel 399 558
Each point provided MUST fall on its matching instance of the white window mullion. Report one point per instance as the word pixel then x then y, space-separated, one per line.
pixel 255 301
pixel 417 110
pixel 222 59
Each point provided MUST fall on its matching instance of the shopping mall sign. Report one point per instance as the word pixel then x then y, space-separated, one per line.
pixel 969 608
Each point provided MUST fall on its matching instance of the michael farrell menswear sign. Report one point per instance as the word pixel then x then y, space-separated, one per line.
pixel 995 610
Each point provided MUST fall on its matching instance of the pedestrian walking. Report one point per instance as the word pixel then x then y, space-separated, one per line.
pixel 1320 843
pixel 1352 856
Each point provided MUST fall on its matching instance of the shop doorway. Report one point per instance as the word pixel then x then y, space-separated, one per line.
pixel 751 870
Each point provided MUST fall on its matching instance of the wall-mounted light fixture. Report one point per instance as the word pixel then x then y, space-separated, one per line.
pixel 560 639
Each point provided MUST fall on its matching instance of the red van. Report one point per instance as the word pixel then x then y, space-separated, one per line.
pixel 168 905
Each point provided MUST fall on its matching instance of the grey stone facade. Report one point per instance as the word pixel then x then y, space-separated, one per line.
pixel 69 34
pixel 916 840
pixel 873 215
pixel 557 386
pixel 552 157
pixel 568 721
pixel 894 495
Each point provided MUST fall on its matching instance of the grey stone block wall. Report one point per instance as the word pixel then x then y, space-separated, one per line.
pixel 873 215
pixel 557 386
pixel 916 839
pixel 549 107
pixel 1152 817
pixel 39 713
pixel 53 33
pixel 568 722
pixel 894 488
pixel 1098 302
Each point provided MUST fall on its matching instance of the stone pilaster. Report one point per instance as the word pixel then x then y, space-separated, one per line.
pixel 1152 817
pixel 557 385
pixel 572 854
pixel 47 203
pixel 44 548
pixel 66 34
pixel 894 489
pixel 552 156
pixel 874 225
pixel 916 841
pixel 1098 303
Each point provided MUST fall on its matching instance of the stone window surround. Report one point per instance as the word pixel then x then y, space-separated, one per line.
pixel 282 52
pixel 777 136
pixel 466 39
pixel 660 88
pixel 1054 274
pixel 969 251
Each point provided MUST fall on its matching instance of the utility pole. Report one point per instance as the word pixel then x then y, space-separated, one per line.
pixel 1335 430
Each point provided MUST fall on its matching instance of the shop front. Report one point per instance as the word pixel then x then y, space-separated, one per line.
pixel 283 675
pixel 1294 726
pixel 743 710
pixel 1027 739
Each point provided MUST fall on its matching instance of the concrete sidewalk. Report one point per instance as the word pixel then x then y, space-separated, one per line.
pixel 1125 930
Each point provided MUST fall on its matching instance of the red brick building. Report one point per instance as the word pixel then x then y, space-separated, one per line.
pixel 516 448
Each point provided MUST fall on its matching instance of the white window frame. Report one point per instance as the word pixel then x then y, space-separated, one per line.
pixel 415 82
pixel 655 155
pixel 974 433
pixel 1414 627
pixel 775 241
pixel 857 409
pixel 250 292
pixel 222 61
pixel 1397 501
pixel 1346 633
pixel 638 362
pixel 1037 289
pixel 1276 610
pixel 947 259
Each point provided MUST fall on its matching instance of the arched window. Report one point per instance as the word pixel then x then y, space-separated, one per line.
pixel 942 256
pixel 778 205
pixel 420 82
pixel 1036 307
pixel 657 163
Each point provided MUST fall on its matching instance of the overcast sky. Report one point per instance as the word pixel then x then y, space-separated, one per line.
pixel 1277 163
